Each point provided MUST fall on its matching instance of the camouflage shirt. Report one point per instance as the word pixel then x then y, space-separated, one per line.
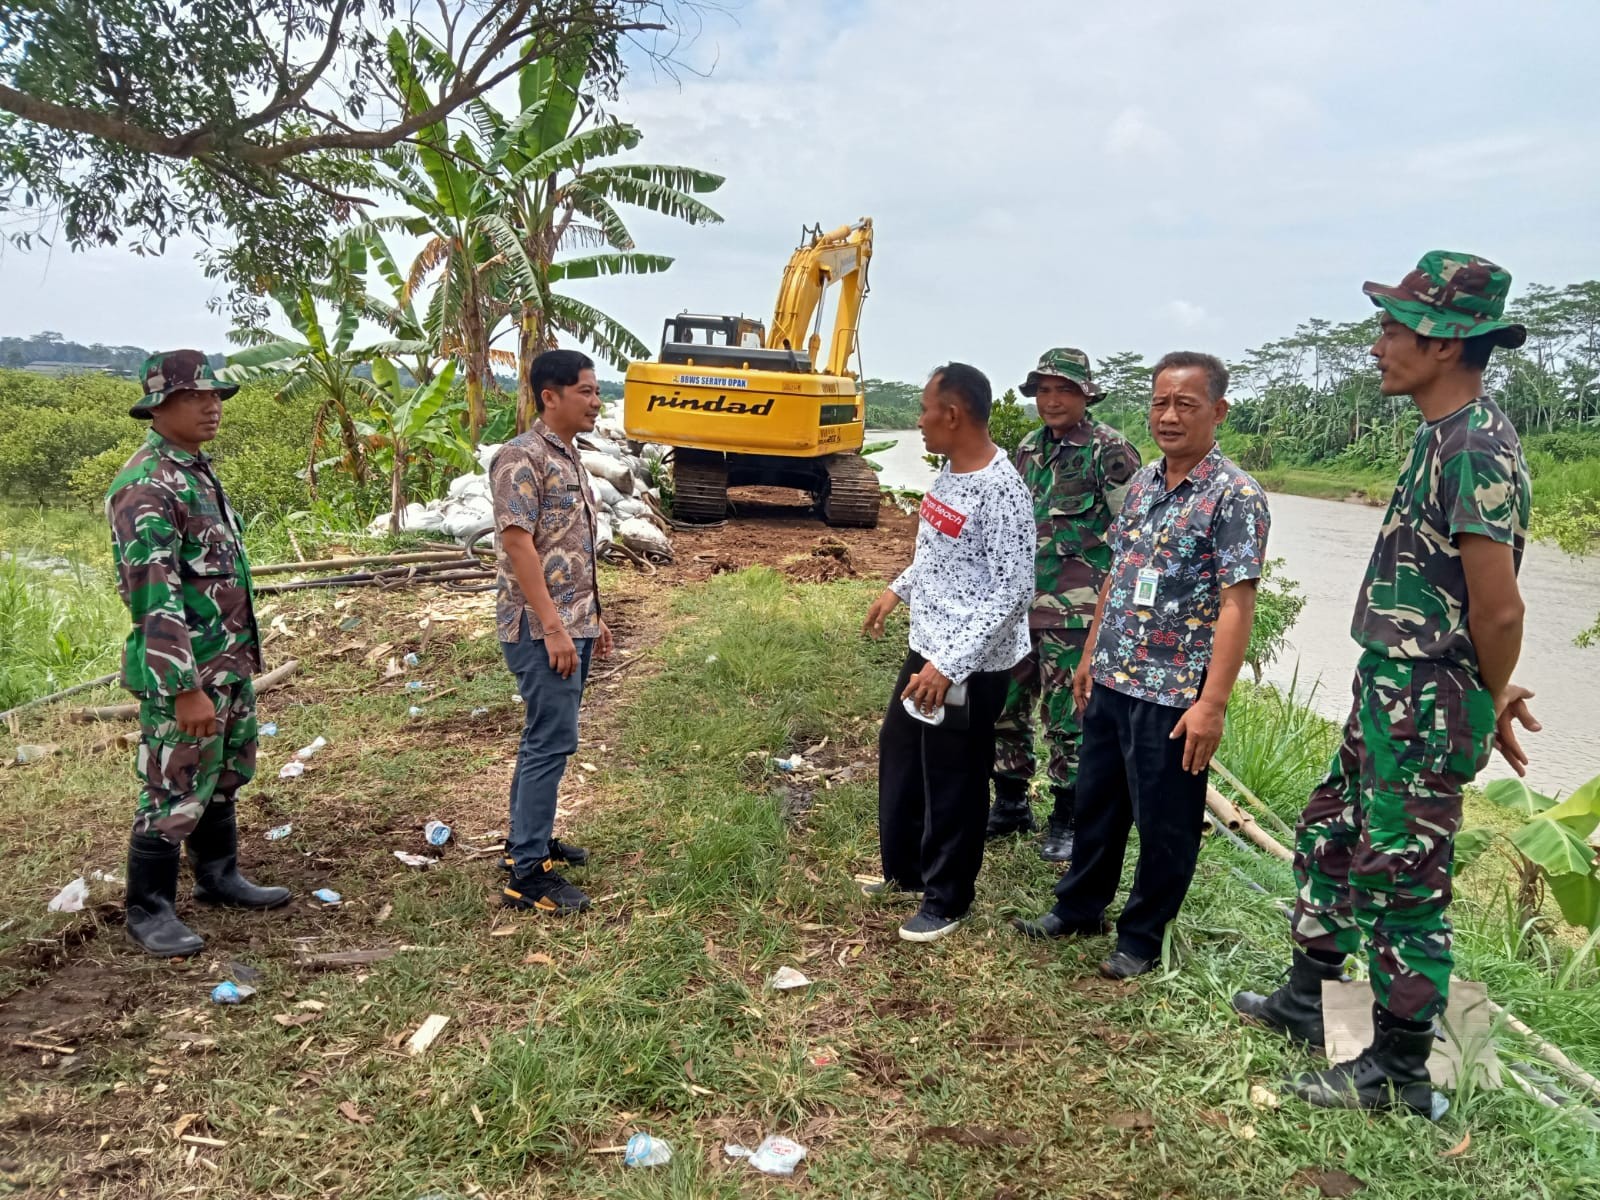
pixel 1465 474
pixel 538 485
pixel 1205 535
pixel 1077 482
pixel 183 573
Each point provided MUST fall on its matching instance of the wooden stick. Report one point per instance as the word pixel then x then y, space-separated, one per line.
pixel 73 690
pixel 1233 817
pixel 435 573
pixel 1255 801
pixel 331 564
pixel 124 712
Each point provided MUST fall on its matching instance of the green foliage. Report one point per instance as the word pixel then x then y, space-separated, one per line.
pixel 1279 601
pixel 892 405
pixel 1551 846
pixel 1009 422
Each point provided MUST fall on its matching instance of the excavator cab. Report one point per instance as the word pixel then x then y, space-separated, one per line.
pixel 690 339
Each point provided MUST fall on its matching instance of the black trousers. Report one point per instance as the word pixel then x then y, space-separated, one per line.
pixel 933 793
pixel 1130 773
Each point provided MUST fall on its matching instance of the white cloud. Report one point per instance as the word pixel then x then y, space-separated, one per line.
pixel 1062 175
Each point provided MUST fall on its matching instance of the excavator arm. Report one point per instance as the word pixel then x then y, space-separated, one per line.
pixel 824 259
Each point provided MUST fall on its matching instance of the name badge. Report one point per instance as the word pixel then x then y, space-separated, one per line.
pixel 1144 592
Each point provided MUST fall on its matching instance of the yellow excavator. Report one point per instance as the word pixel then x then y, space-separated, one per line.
pixel 740 403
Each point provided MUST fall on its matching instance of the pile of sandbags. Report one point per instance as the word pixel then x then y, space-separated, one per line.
pixel 618 481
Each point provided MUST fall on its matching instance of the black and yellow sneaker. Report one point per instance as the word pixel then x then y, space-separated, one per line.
pixel 560 852
pixel 544 890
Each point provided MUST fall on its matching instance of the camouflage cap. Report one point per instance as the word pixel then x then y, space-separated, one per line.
pixel 1063 363
pixel 1452 295
pixel 177 371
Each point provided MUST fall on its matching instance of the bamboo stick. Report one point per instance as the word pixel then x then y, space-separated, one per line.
pixel 1251 798
pixel 385 579
pixel 73 690
pixel 1550 1053
pixel 331 564
pixel 1232 816
pixel 124 712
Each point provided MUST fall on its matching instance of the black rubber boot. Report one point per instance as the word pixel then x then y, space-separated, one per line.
pixel 152 892
pixel 1390 1073
pixel 214 855
pixel 1011 812
pixel 1295 1009
pixel 1057 844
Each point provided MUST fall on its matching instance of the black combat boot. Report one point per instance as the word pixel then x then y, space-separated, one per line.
pixel 1057 844
pixel 1295 1009
pixel 1011 812
pixel 1390 1073
pixel 214 855
pixel 152 892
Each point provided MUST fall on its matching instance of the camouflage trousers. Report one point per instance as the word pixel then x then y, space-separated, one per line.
pixel 1374 846
pixel 181 773
pixel 1042 680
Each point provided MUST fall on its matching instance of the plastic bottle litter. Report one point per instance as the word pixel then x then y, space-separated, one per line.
pixel 411 659
pixel 775 1156
pixel 421 861
pixel 646 1151
pixel 278 832
pixel 267 729
pixel 305 752
pixel 479 712
pixel 785 978
pixel 72 897
pixel 327 896
pixel 437 833
pixel 416 685
pixel 229 992
pixel 413 711
pixel 292 769
pixel 793 763
pixel 32 753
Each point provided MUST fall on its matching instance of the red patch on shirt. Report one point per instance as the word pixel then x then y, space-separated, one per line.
pixel 942 517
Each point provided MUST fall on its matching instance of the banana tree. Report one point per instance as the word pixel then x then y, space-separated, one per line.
pixel 399 422
pixel 1551 850
pixel 553 200
pixel 318 362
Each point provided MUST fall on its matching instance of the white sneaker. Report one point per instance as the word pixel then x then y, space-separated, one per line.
pixel 926 927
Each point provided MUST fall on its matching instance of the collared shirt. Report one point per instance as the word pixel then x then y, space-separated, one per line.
pixel 1078 482
pixel 183 573
pixel 1465 474
pixel 539 485
pixel 971 581
pixel 1206 534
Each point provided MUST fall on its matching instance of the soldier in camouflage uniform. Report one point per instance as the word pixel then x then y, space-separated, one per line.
pixel 182 571
pixel 1077 471
pixel 1439 623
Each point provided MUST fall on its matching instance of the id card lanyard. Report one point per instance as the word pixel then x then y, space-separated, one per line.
pixel 1149 578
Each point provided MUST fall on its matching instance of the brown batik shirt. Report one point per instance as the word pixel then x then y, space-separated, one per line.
pixel 538 485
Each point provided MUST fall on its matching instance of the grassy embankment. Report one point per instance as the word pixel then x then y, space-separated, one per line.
pixel 981 1066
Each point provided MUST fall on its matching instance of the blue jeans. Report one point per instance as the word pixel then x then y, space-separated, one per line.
pixel 549 738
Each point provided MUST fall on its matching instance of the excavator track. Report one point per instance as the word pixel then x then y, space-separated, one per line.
pixel 852 494
pixel 699 489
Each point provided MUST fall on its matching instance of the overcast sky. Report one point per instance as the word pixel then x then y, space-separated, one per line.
pixel 1142 177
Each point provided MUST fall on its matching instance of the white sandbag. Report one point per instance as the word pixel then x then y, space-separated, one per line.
pixel 605 495
pixel 463 518
pixel 604 533
pixel 639 535
pixel 465 487
pixel 629 507
pixel 485 455
pixel 417 517
pixel 613 470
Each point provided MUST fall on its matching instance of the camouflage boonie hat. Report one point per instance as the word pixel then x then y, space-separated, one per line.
pixel 1452 295
pixel 177 371
pixel 1063 363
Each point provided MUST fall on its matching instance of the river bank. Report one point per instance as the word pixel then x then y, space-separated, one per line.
pixel 978 1065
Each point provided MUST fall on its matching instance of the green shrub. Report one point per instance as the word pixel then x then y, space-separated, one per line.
pixel 90 480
